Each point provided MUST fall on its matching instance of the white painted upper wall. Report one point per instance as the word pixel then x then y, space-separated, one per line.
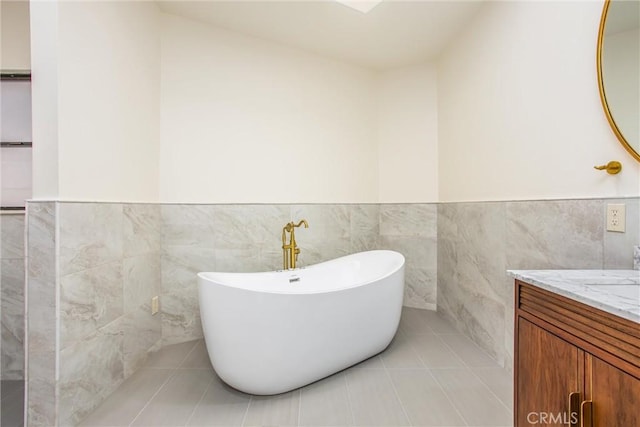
pixel 109 107
pixel 14 24
pixel 99 64
pixel 408 135
pixel 44 99
pixel 135 105
pixel 519 115
pixel 250 121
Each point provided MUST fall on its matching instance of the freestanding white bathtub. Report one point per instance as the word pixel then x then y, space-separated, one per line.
pixel 268 333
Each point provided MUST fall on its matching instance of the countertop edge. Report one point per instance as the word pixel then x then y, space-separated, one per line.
pixel 581 292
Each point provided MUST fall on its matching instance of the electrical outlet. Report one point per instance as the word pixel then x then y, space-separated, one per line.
pixel 616 216
pixel 155 305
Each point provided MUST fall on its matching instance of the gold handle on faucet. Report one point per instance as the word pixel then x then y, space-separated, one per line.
pixel 613 167
pixel 290 251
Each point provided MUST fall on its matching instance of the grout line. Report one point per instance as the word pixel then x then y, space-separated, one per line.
pixel 429 369
pixel 455 353
pixel 246 411
pixel 195 344
pixel 477 347
pixel 490 389
pixel 424 364
pixel 395 391
pixel 169 377
pixel 299 404
pixel 455 408
pixel 199 401
pixel 346 383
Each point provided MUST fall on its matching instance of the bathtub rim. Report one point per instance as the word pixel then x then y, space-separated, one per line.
pixel 301 290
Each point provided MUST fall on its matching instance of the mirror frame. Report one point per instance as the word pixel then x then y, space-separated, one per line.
pixel 603 97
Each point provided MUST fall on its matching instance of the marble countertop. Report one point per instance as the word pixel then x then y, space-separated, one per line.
pixel 614 291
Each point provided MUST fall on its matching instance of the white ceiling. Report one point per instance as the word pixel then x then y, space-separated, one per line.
pixel 395 33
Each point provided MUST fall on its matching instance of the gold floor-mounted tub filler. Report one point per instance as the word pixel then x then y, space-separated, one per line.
pixel 290 251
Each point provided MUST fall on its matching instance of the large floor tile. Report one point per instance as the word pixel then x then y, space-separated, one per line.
pixel 499 381
pixel 198 358
pixel 279 410
pixel 122 407
pixel 468 351
pixel 472 398
pixel 437 323
pixel 401 354
pixel 177 399
pixel 413 321
pixel 326 403
pixel 428 376
pixel 373 399
pixel 434 352
pixel 220 406
pixel 423 399
pixel 172 356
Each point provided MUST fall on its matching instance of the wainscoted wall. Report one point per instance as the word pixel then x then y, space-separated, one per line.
pixel 42 314
pixel 478 242
pixel 109 269
pixel 12 296
pixel 244 238
pixel 411 230
pixel 93 268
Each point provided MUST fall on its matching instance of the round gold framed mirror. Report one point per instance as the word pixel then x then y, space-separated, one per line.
pixel 618 63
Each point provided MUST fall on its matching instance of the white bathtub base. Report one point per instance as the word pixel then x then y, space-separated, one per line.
pixel 272 342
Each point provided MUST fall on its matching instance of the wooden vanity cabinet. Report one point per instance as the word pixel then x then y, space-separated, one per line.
pixel 574 365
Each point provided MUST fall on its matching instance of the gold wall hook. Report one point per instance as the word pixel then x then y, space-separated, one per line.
pixel 612 168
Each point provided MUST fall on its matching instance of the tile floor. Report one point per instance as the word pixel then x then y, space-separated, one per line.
pixel 11 403
pixel 429 376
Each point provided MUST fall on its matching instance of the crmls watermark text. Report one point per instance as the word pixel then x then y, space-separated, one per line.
pixel 546 418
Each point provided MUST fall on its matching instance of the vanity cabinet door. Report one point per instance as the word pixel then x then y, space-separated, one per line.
pixel 615 395
pixel 548 370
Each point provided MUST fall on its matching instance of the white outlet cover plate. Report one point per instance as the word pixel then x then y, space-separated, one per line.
pixel 616 217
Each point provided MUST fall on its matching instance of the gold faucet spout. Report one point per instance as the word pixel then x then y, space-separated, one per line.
pixel 304 221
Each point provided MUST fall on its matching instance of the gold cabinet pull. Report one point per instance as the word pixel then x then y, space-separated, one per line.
pixel 612 168
pixel 586 414
pixel 574 409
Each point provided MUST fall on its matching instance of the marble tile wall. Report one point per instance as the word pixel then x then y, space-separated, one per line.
pixel 478 242
pixel 210 238
pixel 42 315
pixel 246 238
pixel 411 230
pixel 95 266
pixel 92 270
pixel 12 278
pixel 109 269
pixel 471 270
